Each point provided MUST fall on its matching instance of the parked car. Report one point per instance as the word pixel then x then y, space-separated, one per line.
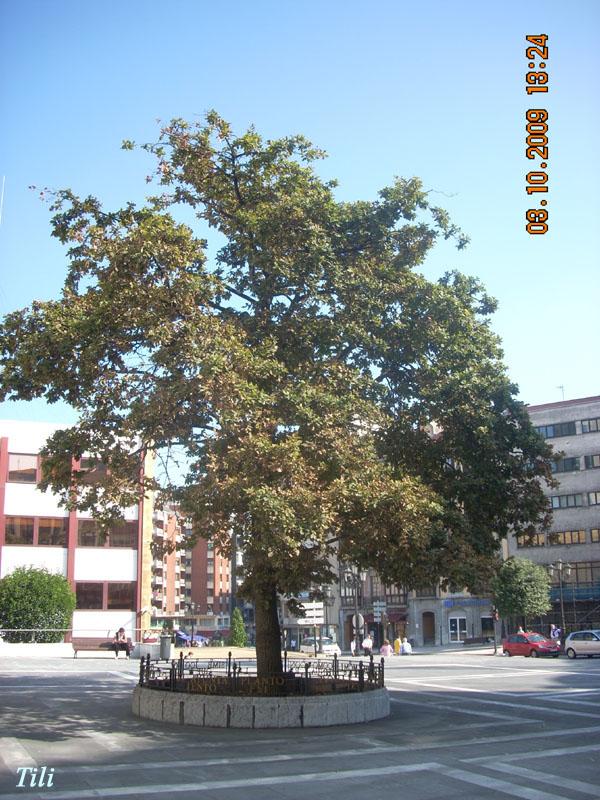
pixel 583 643
pixel 329 648
pixel 182 639
pixel 530 644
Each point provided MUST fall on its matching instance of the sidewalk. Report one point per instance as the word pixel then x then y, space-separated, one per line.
pixel 65 650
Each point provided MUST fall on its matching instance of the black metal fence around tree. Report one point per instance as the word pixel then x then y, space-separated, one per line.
pixel 238 677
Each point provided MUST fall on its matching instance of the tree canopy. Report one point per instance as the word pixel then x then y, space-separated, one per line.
pixel 324 398
pixel 521 589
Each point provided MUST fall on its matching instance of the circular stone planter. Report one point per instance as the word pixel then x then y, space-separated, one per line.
pixel 216 711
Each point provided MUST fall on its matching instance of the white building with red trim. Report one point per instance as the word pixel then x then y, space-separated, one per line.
pixel 110 575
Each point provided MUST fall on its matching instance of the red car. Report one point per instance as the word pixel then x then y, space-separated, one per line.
pixel 530 644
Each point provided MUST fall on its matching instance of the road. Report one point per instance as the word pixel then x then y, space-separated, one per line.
pixel 463 725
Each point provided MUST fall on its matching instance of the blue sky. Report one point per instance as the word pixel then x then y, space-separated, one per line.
pixel 434 89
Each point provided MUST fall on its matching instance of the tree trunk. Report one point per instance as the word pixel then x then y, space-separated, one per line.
pixel 268 634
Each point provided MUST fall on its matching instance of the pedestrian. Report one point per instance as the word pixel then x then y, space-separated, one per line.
pixel 555 633
pixel 397 645
pixel 406 649
pixel 520 629
pixel 386 648
pixel 122 643
pixel 353 647
pixel 367 645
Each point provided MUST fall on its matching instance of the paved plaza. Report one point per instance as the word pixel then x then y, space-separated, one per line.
pixel 464 726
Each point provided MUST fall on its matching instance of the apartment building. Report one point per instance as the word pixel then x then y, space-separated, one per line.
pixel 572 545
pixel 190 586
pixel 110 575
pixel 171 595
pixel 211 586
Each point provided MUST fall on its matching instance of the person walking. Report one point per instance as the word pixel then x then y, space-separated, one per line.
pixel 386 648
pixel 406 649
pixel 367 645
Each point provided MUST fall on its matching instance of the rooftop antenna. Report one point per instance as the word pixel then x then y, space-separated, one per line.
pixel 562 388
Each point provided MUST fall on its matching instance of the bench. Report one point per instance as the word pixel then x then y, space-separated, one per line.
pixel 94 643
pixel 479 640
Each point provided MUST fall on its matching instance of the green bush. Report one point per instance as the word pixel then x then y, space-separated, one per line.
pixel 237 634
pixel 35 598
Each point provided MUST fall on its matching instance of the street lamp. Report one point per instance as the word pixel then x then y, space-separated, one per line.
pixel 192 607
pixel 355 578
pixel 561 570
pixel 327 601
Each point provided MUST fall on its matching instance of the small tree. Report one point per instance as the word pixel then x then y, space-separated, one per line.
pixel 33 598
pixel 237 634
pixel 521 589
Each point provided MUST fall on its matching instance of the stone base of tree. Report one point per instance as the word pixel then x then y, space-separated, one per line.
pixel 214 711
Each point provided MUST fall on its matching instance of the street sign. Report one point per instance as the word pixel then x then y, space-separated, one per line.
pixel 379 608
pixel 358 622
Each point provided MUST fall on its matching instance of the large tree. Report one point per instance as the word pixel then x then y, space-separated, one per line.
pixel 305 389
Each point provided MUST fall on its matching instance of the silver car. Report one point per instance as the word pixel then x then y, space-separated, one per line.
pixel 583 643
pixel 329 647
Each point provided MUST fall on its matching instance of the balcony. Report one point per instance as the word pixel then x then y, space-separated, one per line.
pixel 427 591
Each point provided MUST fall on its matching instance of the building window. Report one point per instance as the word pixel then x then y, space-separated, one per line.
pixel 22 468
pixel 53 531
pixel 566 465
pixel 531 540
pixel 566 500
pixel 19 530
pixel 121 534
pixel 88 534
pixel 559 429
pixel 566 537
pixel 458 628
pixel 32 531
pixel 582 573
pixel 91 471
pixel 590 425
pixel 121 595
pixel 105 595
pixel 595 534
pixel 594 498
pixel 89 595
pixel 592 462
